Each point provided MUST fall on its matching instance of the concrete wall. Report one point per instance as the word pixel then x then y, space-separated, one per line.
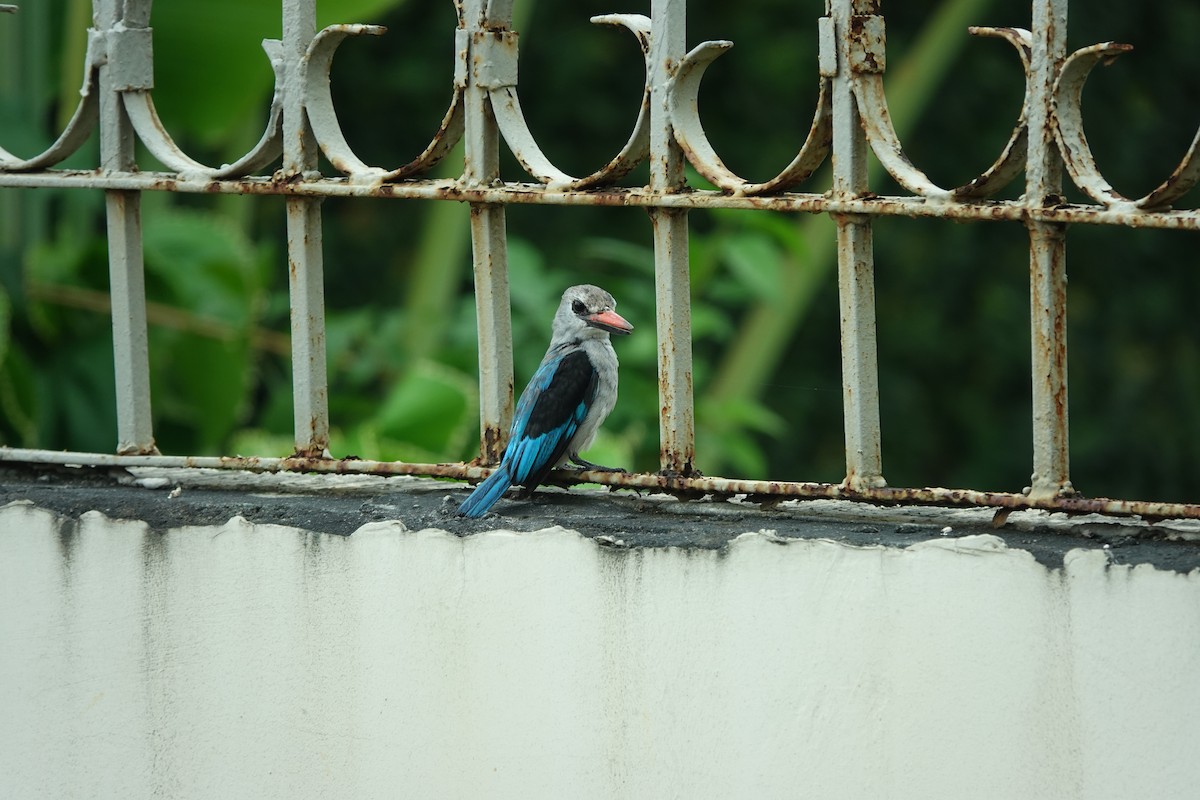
pixel 253 661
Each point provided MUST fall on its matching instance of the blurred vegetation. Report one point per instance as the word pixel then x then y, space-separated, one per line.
pixel 952 298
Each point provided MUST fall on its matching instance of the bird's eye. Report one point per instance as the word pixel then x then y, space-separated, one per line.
pixel 579 308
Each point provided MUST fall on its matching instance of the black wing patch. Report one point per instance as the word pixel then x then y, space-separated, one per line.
pixel 556 415
pixel 565 397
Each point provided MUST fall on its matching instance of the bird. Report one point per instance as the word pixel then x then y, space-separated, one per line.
pixel 569 396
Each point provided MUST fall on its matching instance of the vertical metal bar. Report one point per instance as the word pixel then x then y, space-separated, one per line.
pixel 1047 258
pixel 489 243
pixel 672 277
pixel 306 269
pixel 126 269
pixel 856 262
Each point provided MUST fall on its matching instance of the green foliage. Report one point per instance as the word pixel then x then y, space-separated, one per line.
pixel 211 73
pixel 952 299
pixel 202 263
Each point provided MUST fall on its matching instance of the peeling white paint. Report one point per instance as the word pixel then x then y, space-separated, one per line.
pixel 262 661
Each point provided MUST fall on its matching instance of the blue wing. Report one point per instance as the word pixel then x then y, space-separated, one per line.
pixel 549 413
pixel 486 494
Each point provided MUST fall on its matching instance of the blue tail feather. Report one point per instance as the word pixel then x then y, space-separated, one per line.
pixel 487 493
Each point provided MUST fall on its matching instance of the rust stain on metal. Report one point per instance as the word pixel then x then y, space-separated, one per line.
pixel 315 451
pixel 671 482
pixel 685 199
pixel 493 440
pixel 867 55
pixel 150 449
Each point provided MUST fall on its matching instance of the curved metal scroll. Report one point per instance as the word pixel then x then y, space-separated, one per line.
pixel 139 105
pixel 1011 161
pixel 511 120
pixel 77 131
pixel 877 124
pixel 683 105
pixel 1077 155
pixel 318 103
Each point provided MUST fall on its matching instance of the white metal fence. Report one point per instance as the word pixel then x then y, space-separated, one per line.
pixel 485 113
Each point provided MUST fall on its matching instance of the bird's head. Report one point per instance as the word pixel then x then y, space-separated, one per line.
pixel 587 311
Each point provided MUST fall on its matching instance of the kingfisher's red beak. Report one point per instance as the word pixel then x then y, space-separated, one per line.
pixel 609 321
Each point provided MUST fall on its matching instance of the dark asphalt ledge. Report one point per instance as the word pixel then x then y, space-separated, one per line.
pixel 165 499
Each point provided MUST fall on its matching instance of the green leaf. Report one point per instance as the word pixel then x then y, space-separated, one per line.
pixel 200 387
pixel 431 407
pixel 77 389
pixel 259 442
pixel 207 262
pixel 737 414
pixel 754 259
pixel 637 257
pixel 609 450
pixel 533 295
pixel 19 407
pixel 5 324
pixel 743 454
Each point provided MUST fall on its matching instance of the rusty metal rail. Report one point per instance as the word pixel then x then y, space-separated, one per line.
pixel 850 120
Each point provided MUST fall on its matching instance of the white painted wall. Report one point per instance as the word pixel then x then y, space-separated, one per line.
pixel 248 661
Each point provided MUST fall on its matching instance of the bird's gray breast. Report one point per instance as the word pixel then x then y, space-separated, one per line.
pixel 604 360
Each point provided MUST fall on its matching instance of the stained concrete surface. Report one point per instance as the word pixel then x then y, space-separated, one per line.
pixel 710 650
pixel 340 504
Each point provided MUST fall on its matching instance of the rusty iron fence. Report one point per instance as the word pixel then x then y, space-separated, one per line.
pixel 850 121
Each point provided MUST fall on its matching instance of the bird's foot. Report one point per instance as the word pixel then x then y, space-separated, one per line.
pixel 582 464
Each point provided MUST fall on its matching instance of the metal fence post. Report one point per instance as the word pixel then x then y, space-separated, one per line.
pixel 126 269
pixel 306 269
pixel 856 261
pixel 489 243
pixel 677 445
pixel 1047 257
